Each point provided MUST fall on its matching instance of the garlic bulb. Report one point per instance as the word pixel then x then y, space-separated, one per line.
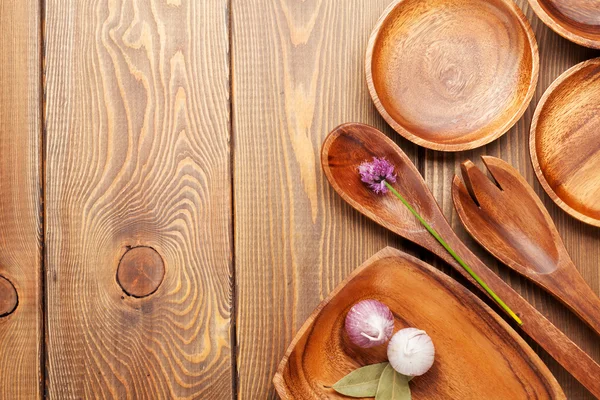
pixel 411 352
pixel 369 323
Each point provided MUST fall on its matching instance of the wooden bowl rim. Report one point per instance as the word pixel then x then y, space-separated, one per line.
pixel 279 381
pixel 483 140
pixel 565 76
pixel 550 22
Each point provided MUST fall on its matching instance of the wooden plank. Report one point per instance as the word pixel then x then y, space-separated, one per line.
pixel 298 72
pixel 21 331
pixel 138 199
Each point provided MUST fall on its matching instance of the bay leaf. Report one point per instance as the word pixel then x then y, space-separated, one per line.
pixel 392 386
pixel 361 382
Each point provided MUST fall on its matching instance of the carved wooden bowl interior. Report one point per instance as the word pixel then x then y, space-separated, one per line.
pixel 565 141
pixel 576 20
pixel 478 355
pixel 452 74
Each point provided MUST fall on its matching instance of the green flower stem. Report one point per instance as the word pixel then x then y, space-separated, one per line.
pixel 456 256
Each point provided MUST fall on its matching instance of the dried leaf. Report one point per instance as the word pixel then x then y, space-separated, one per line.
pixel 362 382
pixel 392 386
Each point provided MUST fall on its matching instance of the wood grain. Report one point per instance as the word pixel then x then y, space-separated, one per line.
pixel 473 345
pixel 565 141
pixel 138 155
pixel 9 299
pixel 576 20
pixel 140 272
pixel 452 75
pixel 582 242
pixel 509 220
pixel 21 330
pixel 348 146
pixel 298 71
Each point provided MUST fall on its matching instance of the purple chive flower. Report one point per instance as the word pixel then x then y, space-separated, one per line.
pixel 380 172
pixel 376 173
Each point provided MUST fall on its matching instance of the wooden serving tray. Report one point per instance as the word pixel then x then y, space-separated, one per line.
pixel 478 355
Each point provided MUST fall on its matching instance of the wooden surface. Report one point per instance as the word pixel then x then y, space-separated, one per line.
pixel 298 73
pixel 140 272
pixel 9 299
pixel 430 66
pixel 137 103
pixel 564 141
pixel 507 218
pixel 154 112
pixel 576 20
pixel 463 330
pixel 346 148
pixel 21 331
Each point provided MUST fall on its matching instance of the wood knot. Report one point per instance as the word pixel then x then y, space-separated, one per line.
pixel 141 271
pixel 8 297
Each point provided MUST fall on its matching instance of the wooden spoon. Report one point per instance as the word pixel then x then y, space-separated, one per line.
pixel 348 146
pixel 510 221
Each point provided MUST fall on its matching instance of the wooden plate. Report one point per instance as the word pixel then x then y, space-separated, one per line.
pixel 575 20
pixel 478 355
pixel 565 141
pixel 452 75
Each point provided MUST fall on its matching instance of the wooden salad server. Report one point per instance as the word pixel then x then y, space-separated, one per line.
pixel 348 146
pixel 511 222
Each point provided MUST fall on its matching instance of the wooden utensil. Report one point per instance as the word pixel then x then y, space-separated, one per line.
pixel 452 75
pixel 565 141
pixel 478 355
pixel 575 20
pixel 348 146
pixel 511 222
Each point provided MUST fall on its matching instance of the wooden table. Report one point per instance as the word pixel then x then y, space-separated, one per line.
pixel 191 130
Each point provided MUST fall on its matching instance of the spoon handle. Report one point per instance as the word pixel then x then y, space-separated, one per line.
pixel 537 327
pixel 572 290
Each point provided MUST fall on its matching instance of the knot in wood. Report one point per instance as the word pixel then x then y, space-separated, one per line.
pixel 8 297
pixel 141 271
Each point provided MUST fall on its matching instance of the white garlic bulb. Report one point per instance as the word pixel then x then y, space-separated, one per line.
pixel 411 352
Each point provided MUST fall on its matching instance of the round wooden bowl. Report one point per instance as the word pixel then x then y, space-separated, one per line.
pixel 452 75
pixel 565 141
pixel 575 20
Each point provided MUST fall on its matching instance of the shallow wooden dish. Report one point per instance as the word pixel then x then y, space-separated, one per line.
pixel 565 141
pixel 478 355
pixel 575 20
pixel 452 75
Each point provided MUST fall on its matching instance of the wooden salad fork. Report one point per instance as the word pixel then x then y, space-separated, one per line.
pixel 510 221
pixel 348 146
